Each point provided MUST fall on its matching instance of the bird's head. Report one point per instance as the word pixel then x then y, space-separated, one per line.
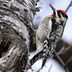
pixel 59 14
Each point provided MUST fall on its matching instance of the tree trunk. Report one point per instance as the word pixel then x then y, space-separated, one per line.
pixel 16 33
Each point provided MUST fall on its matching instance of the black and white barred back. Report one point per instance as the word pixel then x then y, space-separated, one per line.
pixel 50 32
pixel 49 45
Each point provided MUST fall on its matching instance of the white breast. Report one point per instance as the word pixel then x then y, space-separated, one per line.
pixel 43 32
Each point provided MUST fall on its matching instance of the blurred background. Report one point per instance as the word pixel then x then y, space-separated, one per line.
pixel 64 46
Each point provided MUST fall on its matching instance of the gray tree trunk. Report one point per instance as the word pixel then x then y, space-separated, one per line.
pixel 16 33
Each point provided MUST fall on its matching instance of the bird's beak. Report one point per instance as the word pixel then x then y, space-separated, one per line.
pixel 52 8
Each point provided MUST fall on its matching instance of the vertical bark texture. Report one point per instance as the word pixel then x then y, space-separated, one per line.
pixel 16 33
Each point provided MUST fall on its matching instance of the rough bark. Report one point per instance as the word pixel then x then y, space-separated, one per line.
pixel 16 33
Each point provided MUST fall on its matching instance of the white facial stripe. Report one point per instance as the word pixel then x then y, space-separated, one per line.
pixel 56 13
pixel 61 16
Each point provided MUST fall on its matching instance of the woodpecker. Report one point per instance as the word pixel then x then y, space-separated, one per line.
pixel 51 28
pixel 50 31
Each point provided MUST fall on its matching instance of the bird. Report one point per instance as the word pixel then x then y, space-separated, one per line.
pixel 50 31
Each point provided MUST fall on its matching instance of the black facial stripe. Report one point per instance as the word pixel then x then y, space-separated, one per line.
pixel 59 15
pixel 62 14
